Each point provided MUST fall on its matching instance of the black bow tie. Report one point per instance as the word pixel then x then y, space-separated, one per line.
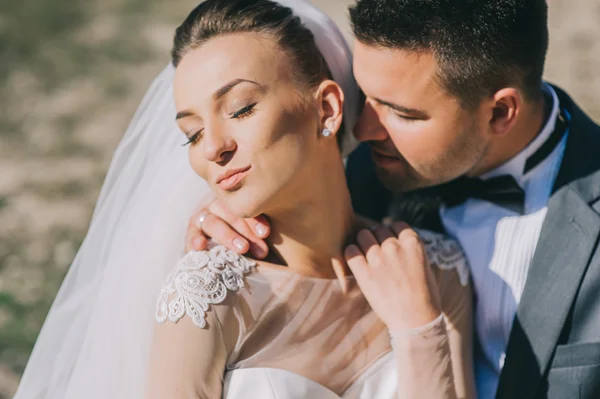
pixel 501 190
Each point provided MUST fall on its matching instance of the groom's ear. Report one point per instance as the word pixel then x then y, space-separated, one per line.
pixel 506 105
pixel 331 105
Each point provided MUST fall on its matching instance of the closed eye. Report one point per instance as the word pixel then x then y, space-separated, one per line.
pixel 193 139
pixel 408 118
pixel 246 111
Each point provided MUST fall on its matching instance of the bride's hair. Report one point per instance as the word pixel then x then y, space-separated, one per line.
pixel 220 17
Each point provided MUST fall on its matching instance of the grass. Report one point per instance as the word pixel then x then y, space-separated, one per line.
pixel 64 63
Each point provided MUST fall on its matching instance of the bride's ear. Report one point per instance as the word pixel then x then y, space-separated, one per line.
pixel 331 106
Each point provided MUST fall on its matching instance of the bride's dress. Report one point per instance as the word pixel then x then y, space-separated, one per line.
pixel 378 381
pixel 274 333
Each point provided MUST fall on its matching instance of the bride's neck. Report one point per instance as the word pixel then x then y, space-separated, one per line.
pixel 311 235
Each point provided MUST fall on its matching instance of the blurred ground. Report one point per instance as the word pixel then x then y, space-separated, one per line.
pixel 71 75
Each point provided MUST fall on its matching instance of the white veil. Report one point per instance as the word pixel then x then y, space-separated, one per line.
pixel 96 338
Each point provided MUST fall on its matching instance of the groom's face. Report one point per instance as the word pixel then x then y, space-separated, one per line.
pixel 419 134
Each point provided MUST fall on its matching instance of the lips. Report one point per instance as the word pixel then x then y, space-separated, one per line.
pixel 381 155
pixel 231 178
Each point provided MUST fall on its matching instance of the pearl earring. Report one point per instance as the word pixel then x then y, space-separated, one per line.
pixel 327 132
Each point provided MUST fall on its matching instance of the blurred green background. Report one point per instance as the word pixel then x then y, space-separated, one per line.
pixel 71 75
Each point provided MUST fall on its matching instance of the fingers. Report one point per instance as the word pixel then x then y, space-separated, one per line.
pixel 399 227
pixel 241 235
pixel 408 238
pixel 219 230
pixel 341 271
pixel 376 243
pixel 260 225
pixel 217 222
pixel 195 240
pixel 363 222
pixel 357 262
pixel 261 229
pixel 382 233
pixel 369 246
pixel 390 266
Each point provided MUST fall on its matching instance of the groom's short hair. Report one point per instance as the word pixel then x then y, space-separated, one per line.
pixel 480 46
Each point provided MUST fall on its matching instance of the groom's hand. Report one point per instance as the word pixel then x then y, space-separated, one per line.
pixel 217 222
pixel 392 270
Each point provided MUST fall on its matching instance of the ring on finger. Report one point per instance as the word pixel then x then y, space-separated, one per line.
pixel 201 219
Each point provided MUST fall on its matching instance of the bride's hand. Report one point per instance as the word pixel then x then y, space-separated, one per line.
pixel 217 222
pixel 392 270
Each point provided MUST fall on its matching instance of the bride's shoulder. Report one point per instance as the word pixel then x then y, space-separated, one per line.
pixel 201 279
pixel 445 253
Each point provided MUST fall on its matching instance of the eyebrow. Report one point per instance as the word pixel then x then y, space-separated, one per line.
pixel 183 114
pixel 219 94
pixel 405 110
pixel 227 88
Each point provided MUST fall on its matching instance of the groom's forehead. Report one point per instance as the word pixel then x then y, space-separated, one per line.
pixel 382 69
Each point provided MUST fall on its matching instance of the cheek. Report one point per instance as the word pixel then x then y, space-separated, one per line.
pixel 423 140
pixel 281 157
pixel 289 141
pixel 198 163
pixel 417 140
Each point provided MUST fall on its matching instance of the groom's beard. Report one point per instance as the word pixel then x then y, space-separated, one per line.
pixel 392 169
pixel 399 176
pixel 404 183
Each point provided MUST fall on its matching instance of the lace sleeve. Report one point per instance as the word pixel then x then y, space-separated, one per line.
pixel 436 361
pixel 445 253
pixel 189 354
pixel 452 276
pixel 199 280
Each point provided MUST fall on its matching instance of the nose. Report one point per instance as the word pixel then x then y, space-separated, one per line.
pixel 218 147
pixel 369 126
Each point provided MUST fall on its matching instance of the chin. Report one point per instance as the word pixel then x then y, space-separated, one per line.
pixel 391 181
pixel 399 182
pixel 243 203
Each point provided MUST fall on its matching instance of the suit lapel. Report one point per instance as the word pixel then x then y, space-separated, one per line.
pixel 568 238
pixel 567 241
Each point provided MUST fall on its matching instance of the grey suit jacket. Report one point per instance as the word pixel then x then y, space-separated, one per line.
pixel 554 345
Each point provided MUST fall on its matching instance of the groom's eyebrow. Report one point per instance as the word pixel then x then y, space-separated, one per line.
pixel 405 110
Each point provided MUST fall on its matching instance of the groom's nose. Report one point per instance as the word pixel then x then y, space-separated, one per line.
pixel 369 126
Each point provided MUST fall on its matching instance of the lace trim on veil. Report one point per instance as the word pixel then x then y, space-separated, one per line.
pixel 445 253
pixel 199 280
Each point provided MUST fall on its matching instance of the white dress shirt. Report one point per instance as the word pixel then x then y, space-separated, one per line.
pixel 499 244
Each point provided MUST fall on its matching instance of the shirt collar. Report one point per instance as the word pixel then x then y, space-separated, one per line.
pixel 516 165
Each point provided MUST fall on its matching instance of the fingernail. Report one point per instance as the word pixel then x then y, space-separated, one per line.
pixel 258 251
pixel 362 233
pixel 352 250
pixel 261 230
pixel 239 244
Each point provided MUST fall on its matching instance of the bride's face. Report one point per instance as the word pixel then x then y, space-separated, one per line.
pixel 253 129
